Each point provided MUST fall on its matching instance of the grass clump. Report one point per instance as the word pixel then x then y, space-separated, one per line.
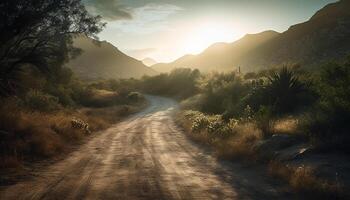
pixel 304 180
pixel 39 127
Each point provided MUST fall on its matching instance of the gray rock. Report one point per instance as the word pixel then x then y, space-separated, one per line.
pixel 271 146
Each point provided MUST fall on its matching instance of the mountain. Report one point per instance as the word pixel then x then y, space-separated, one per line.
pixel 102 60
pixel 219 56
pixel 325 36
pixel 149 61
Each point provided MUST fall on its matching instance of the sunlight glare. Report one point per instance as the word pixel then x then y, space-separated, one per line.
pixel 203 35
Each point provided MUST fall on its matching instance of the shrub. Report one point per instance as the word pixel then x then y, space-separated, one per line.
pixel 223 92
pixel 231 140
pixel 37 100
pixel 265 121
pixel 180 83
pixel 241 144
pixel 287 92
pixel 135 97
pixel 100 98
pixel 329 119
pixel 64 95
pixel 303 179
pixel 284 91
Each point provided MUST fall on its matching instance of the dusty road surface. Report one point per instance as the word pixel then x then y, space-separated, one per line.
pixel 145 157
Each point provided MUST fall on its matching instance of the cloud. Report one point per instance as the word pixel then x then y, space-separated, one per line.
pixel 148 19
pixel 110 10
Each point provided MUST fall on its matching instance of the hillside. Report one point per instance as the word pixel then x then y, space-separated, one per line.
pixel 326 36
pixel 219 56
pixel 102 60
pixel 149 61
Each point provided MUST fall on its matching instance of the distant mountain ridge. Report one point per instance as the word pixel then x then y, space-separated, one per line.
pixel 325 36
pixel 149 61
pixel 102 60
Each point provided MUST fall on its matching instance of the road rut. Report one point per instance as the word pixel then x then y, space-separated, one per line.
pixel 145 157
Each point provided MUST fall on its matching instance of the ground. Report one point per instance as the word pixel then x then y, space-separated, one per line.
pixel 146 156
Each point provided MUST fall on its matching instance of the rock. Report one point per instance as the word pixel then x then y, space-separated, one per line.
pixel 293 152
pixel 271 146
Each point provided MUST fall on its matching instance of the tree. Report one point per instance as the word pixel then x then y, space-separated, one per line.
pixel 39 33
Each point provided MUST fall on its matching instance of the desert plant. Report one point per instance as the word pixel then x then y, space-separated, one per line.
pixel 285 90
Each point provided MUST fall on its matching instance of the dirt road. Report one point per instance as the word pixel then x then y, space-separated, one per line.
pixel 145 157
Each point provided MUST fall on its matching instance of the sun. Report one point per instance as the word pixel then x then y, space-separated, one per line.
pixel 203 35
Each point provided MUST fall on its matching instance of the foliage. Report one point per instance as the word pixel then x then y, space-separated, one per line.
pixel 330 117
pixel 39 33
pixel 179 83
pixel 304 179
pixel 37 100
pixel 286 90
pixel 27 133
pixel 213 125
pixel 231 139
pixel 264 120
pixel 223 92
pixel 135 97
pixel 283 91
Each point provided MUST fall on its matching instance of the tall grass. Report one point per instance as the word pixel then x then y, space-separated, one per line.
pixel 230 140
pixel 303 179
pixel 28 133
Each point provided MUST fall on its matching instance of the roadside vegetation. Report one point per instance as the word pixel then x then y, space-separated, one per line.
pixel 255 116
pixel 41 122
pixel 44 108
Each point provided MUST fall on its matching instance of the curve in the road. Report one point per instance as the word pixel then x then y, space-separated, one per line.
pixel 145 157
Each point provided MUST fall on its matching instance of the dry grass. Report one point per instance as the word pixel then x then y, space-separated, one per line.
pixel 241 145
pixel 32 134
pixel 287 125
pixel 9 162
pixel 28 134
pixel 238 145
pixel 303 180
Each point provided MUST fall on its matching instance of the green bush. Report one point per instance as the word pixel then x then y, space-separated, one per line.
pixel 212 125
pixel 223 92
pixel 283 91
pixel 286 91
pixel 180 83
pixel 330 117
pixel 37 100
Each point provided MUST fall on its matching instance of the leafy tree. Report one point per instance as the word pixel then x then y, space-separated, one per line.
pixel 38 33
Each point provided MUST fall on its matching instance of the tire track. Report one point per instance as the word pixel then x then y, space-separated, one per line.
pixel 145 157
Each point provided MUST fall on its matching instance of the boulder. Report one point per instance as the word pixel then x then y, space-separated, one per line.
pixel 270 147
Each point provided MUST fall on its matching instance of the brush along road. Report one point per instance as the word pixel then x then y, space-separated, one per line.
pixel 146 156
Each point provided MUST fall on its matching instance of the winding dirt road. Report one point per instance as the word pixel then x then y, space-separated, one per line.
pixel 145 157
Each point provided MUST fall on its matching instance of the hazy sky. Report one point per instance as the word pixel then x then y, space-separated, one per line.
pixel 167 29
